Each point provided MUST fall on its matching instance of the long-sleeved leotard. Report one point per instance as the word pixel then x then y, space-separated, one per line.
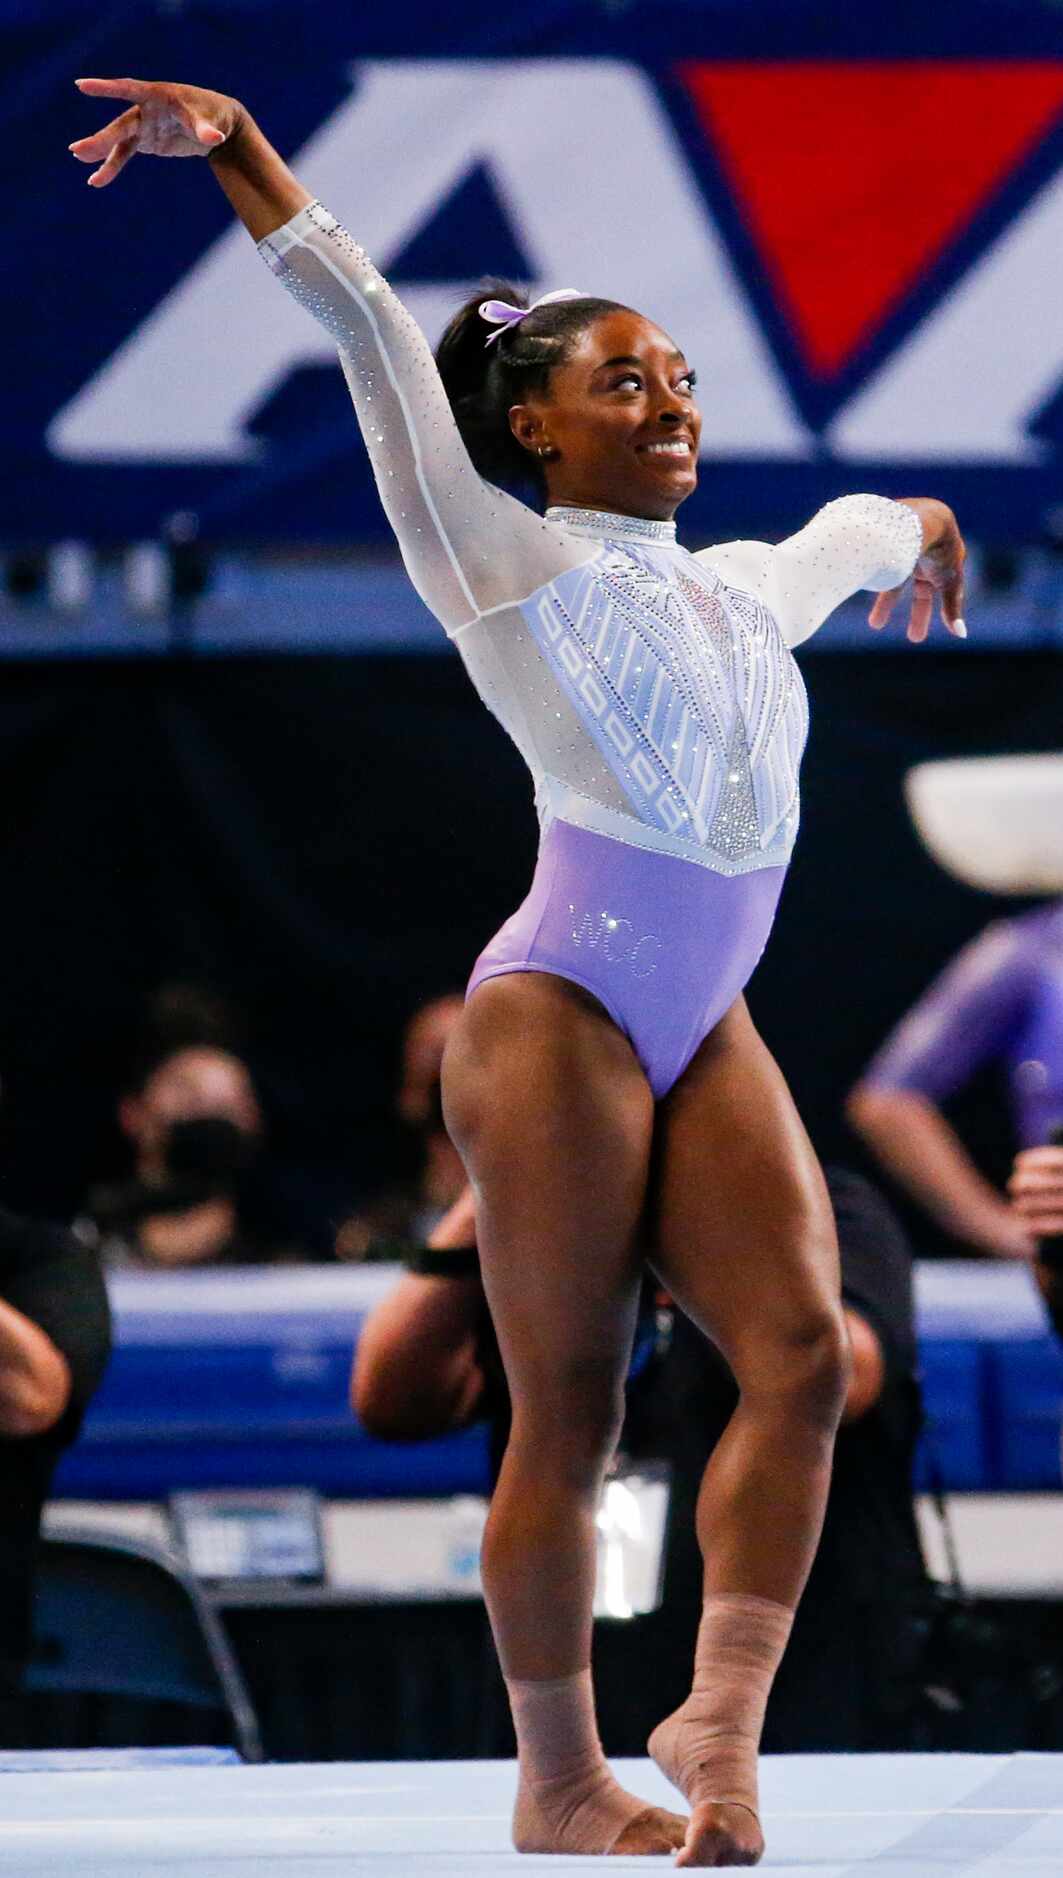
pixel 651 691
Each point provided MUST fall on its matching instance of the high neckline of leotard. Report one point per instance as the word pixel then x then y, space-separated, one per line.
pixel 604 527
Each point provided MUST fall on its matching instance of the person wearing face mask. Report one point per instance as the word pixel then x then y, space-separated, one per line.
pixel 194 1123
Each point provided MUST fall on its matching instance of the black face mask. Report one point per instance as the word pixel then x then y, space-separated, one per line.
pixel 208 1148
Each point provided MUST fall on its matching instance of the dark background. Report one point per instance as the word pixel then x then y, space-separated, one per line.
pixel 329 841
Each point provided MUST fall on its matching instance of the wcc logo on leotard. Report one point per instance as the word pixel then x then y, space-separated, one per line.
pixel 616 939
pixel 858 256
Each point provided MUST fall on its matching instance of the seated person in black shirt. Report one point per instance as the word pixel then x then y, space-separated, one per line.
pixel 427 1362
pixel 424 1351
pixel 54 1344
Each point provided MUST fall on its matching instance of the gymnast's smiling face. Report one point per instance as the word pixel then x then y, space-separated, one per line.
pixel 618 425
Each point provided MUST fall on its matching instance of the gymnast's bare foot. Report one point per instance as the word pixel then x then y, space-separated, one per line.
pixel 721 1833
pixel 651 1833
pixel 539 1825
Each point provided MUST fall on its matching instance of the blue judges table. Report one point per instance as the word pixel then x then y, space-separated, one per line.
pixel 239 1378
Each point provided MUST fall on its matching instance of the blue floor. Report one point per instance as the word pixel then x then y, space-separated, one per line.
pixel 825 1817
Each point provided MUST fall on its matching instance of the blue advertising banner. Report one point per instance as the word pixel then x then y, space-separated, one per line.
pixel 853 223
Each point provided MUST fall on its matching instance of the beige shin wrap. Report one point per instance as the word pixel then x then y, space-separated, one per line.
pixel 708 1748
pixel 567 1800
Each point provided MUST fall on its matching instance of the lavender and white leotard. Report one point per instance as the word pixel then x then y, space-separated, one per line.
pixel 652 692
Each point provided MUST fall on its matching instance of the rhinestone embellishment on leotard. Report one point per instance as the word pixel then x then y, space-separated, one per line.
pixel 695 703
pixel 735 828
pixel 601 526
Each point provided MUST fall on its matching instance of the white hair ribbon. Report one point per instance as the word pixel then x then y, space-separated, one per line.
pixel 500 314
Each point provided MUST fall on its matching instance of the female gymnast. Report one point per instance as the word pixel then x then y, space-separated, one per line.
pixel 606 1088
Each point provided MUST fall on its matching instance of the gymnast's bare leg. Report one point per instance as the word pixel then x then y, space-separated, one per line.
pixel 743 1236
pixel 554 1118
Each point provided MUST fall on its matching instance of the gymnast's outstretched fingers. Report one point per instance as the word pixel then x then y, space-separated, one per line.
pixel 163 120
pixel 938 574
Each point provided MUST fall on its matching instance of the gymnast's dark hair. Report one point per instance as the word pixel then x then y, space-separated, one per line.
pixel 482 381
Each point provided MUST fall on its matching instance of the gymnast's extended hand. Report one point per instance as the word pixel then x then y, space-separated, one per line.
pixel 183 121
pixel 163 120
pixel 938 571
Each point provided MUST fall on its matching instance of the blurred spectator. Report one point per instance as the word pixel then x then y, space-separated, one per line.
pixel 996 823
pixel 193 1119
pixel 419 1368
pixel 54 1344
pixel 1000 1000
pixel 408 1211
pixel 427 1362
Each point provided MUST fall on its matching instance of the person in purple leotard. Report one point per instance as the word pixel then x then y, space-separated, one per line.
pixel 996 823
pixel 605 1087
pixel 1000 1001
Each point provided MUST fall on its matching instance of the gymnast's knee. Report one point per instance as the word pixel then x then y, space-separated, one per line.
pixel 570 1426
pixel 805 1372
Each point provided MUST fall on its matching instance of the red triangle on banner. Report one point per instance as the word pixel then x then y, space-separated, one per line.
pixel 854 177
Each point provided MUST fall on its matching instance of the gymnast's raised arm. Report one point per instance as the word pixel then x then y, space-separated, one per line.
pixel 468 547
